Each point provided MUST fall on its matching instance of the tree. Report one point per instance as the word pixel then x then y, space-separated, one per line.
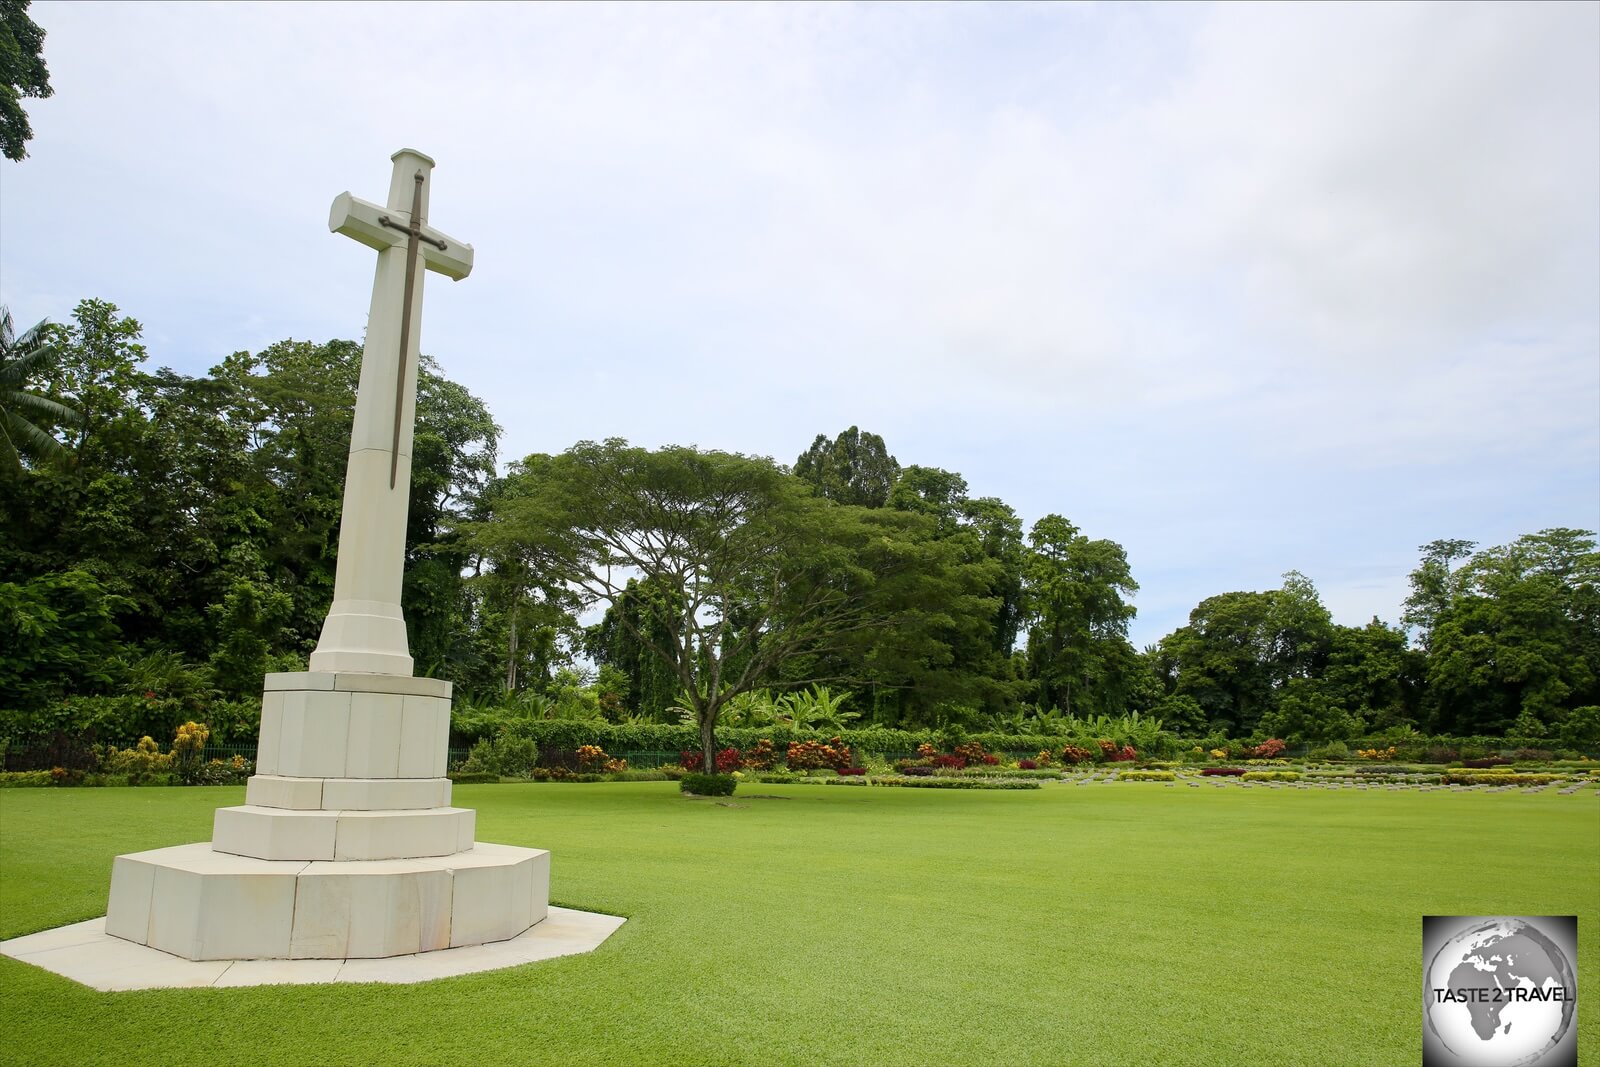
pixel 22 74
pixel 1078 649
pixel 26 416
pixel 1434 585
pixel 1241 650
pixel 764 572
pixel 652 608
pixel 853 468
pixel 1515 644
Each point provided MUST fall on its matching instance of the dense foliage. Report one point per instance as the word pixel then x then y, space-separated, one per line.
pixel 165 539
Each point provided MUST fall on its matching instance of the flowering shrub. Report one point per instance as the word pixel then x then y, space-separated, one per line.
pixel 186 749
pixel 1268 749
pixel 973 752
pixel 1218 753
pixel 223 772
pixel 1108 747
pixel 1027 764
pixel 1223 772
pixel 592 757
pixel 1376 753
pixel 1045 757
pixel 139 763
pixel 814 755
pixel 852 770
pixel 954 763
pixel 614 766
pixel 1074 754
pixel 761 757
pixel 691 760
pixel 728 761
pixel 927 751
pixel 1125 754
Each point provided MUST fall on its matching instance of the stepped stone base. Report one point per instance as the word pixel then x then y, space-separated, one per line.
pixel 204 905
pixel 346 846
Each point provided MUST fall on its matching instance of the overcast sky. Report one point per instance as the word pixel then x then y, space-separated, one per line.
pixel 1244 288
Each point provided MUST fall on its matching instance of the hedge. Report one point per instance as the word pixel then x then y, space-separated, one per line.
pixel 1454 778
pixel 673 737
pixel 1147 776
pixel 955 783
pixel 1272 776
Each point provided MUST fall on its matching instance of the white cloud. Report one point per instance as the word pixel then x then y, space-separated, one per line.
pixel 1209 280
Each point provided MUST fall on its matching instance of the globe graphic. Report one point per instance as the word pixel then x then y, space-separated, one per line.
pixel 1506 1005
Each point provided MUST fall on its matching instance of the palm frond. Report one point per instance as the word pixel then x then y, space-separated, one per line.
pixel 41 405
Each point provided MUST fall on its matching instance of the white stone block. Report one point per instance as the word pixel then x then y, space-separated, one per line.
pixel 274 791
pixel 298 680
pixel 316 731
pixel 500 891
pixel 275 833
pixel 374 745
pixel 358 794
pixel 366 910
pixel 128 910
pixel 381 835
pixel 402 685
pixel 270 737
pixel 421 753
pixel 207 905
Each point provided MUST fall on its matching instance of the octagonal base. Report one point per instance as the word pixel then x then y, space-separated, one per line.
pixel 204 905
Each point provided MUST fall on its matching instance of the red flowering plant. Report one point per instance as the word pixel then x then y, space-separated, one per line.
pixel 1074 754
pixel 815 755
pixel 975 753
pixel 1268 749
pixel 728 760
pixel 954 763
pixel 1027 765
pixel 761 757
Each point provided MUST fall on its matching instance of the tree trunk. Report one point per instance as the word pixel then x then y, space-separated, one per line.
pixel 511 654
pixel 708 741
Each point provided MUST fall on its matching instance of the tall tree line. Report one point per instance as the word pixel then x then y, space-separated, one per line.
pixel 167 538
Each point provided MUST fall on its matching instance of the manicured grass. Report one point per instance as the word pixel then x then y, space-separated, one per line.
pixel 1103 924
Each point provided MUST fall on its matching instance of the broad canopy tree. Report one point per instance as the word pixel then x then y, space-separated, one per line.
pixel 763 572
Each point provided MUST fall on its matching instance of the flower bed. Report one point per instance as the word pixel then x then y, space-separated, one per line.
pixel 953 783
pixel 1459 778
pixel 1222 772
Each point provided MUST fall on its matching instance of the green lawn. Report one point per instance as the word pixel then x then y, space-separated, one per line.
pixel 1115 924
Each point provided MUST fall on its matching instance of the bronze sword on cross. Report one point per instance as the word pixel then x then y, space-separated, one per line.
pixel 414 238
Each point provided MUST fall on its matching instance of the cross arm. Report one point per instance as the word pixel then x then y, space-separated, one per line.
pixel 358 220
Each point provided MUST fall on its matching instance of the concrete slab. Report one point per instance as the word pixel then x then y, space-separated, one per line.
pixel 86 954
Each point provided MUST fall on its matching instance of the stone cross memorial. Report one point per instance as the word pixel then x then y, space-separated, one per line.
pixel 347 845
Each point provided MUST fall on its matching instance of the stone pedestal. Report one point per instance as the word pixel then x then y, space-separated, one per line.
pixel 346 846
